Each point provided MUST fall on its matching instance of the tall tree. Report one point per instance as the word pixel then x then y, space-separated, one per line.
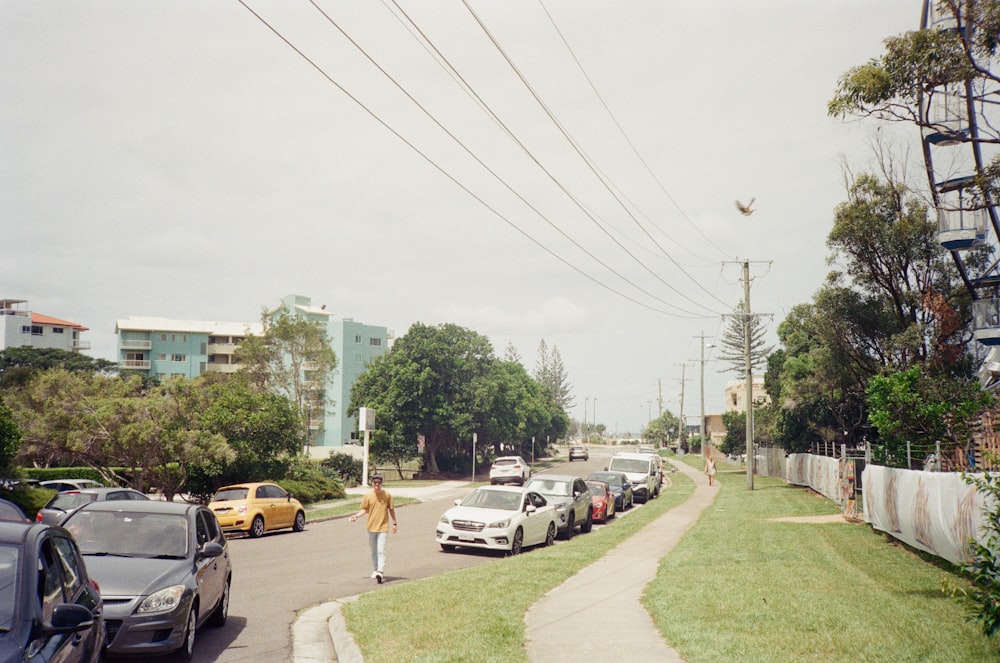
pixel 510 353
pixel 10 440
pixel 292 358
pixel 551 374
pixel 734 337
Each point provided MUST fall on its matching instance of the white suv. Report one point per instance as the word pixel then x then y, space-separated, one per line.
pixel 509 469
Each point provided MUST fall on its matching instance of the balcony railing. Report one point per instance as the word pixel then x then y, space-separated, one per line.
pixel 136 344
pixel 81 345
pixel 135 364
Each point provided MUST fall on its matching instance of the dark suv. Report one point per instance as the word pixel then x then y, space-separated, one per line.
pixel 571 498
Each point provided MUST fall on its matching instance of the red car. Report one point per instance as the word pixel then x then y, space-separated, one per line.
pixel 603 501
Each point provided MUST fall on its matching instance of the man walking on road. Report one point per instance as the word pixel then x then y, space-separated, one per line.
pixel 377 503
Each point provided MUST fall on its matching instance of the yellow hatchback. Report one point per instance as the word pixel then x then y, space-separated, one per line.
pixel 256 508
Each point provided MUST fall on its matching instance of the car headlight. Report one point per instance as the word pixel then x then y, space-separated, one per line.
pixel 164 600
pixel 500 524
pixel 445 520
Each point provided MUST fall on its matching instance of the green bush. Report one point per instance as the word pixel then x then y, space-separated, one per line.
pixel 309 484
pixel 344 467
pixel 49 473
pixel 29 499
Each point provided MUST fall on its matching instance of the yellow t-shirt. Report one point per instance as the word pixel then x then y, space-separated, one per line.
pixel 377 505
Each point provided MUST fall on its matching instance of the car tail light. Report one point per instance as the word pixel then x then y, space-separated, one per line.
pixel 38 517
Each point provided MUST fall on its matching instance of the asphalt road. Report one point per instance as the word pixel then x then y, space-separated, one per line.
pixel 280 574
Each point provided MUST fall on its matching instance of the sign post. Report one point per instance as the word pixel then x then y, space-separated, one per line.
pixel 366 423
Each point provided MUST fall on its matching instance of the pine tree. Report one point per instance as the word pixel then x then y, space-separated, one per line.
pixel 551 374
pixel 733 350
pixel 510 353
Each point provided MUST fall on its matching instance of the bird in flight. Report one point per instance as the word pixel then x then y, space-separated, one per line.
pixel 747 209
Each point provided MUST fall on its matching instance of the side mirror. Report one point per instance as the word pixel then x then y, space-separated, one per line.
pixel 210 549
pixel 530 509
pixel 67 618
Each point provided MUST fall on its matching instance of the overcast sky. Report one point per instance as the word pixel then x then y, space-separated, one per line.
pixel 180 159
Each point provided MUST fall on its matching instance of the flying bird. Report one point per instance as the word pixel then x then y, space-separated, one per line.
pixel 747 209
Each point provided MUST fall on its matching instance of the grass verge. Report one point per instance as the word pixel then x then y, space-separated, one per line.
pixel 741 586
pixel 477 614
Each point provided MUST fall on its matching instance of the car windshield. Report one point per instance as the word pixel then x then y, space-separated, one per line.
pixel 612 480
pixel 629 465
pixel 596 488
pixel 551 487
pixel 230 494
pixel 505 461
pixel 129 534
pixel 493 499
pixel 71 500
pixel 8 585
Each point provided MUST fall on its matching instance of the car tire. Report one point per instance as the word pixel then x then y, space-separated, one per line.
pixel 190 631
pixel 517 545
pixel 257 527
pixel 221 612
pixel 550 535
pixel 589 523
pixel 447 547
pixel 300 522
pixel 570 526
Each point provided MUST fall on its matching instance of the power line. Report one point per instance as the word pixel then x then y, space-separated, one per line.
pixel 440 169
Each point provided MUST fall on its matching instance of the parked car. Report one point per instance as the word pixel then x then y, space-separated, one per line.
pixel 509 469
pixel 11 512
pixel 163 569
pixel 579 451
pixel 50 608
pixel 603 501
pixel 660 464
pixel 69 484
pixel 620 486
pixel 498 518
pixel 571 498
pixel 256 508
pixel 641 470
pixel 62 504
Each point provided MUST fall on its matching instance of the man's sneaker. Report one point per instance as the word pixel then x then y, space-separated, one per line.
pixel 378 576
pixel 374 575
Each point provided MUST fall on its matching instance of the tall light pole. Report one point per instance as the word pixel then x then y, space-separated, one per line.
pixel 595 413
pixel 749 371
pixel 583 427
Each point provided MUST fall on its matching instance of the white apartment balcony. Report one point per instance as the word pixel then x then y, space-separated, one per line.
pixel 81 345
pixel 136 344
pixel 221 348
pixel 135 364
pixel 221 368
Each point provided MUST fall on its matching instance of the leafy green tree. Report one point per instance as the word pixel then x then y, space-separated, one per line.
pixel 426 386
pixel 261 428
pixel 10 440
pixel 662 430
pixel 917 407
pixel 735 441
pixel 18 364
pixel 292 358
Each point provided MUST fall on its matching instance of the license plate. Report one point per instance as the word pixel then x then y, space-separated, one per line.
pixel 466 538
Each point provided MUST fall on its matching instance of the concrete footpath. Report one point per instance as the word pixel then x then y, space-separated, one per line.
pixel 611 586
pixel 608 593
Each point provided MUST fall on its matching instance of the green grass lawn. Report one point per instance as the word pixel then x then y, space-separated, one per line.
pixel 738 587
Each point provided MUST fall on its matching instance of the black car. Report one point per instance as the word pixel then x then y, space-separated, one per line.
pixel 50 609
pixel 620 486
pixel 163 569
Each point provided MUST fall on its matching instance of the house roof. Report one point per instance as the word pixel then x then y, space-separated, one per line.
pixel 42 319
pixel 188 326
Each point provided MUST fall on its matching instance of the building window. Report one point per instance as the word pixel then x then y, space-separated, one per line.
pixel 178 358
pixel 25 329
pixel 163 337
pixel 375 341
pixel 162 356
pixel 36 330
pixel 57 330
pixel 357 338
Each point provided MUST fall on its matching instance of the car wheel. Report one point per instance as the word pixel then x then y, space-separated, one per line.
pixel 447 547
pixel 493 482
pixel 550 535
pixel 569 527
pixel 187 647
pixel 588 524
pixel 257 527
pixel 300 522
pixel 517 545
pixel 221 612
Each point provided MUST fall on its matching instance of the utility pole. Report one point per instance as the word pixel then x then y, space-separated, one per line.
pixel 701 424
pixel 682 424
pixel 659 397
pixel 749 371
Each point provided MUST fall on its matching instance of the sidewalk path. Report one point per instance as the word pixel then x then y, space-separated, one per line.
pixel 571 621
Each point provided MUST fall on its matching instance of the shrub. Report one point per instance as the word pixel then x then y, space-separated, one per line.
pixel 344 467
pixel 984 569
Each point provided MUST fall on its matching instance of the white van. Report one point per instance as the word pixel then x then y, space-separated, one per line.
pixel 642 470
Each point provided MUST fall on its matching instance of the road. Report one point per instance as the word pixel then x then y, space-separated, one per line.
pixel 281 574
